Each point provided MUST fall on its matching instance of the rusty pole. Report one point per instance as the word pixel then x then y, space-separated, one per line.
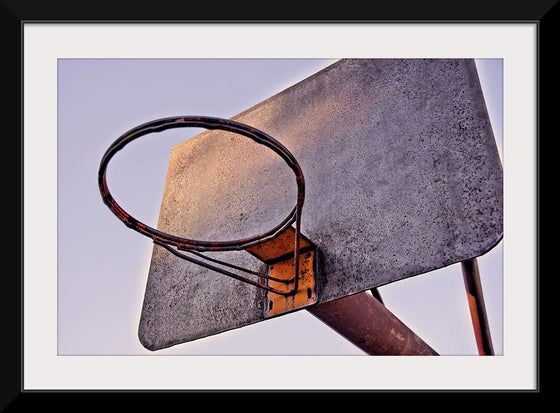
pixel 471 277
pixel 369 325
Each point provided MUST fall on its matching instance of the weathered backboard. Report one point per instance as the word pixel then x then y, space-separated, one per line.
pixel 402 177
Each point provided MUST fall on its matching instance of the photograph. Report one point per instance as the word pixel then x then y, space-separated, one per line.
pixel 213 196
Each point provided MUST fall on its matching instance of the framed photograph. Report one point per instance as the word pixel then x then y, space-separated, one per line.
pixel 84 275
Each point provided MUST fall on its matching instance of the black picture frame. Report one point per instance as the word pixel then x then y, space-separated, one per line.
pixel 14 13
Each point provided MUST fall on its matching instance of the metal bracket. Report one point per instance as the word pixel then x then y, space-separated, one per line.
pixel 278 254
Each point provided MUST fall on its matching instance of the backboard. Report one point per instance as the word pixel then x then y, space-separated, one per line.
pixel 402 177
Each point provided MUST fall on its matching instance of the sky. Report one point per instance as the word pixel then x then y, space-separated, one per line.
pixel 101 277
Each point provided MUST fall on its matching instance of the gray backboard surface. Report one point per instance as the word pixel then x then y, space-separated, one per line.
pixel 402 177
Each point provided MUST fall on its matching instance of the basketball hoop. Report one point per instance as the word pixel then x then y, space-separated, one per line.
pixel 174 243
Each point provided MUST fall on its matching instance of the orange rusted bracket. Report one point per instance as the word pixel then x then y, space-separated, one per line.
pixel 278 255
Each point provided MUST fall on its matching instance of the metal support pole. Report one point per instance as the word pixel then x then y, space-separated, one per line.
pixel 369 325
pixel 477 308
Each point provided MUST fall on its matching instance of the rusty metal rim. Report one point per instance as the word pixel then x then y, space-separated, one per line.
pixel 166 240
pixel 208 123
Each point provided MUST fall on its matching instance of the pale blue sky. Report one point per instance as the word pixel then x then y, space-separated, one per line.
pixel 101 277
